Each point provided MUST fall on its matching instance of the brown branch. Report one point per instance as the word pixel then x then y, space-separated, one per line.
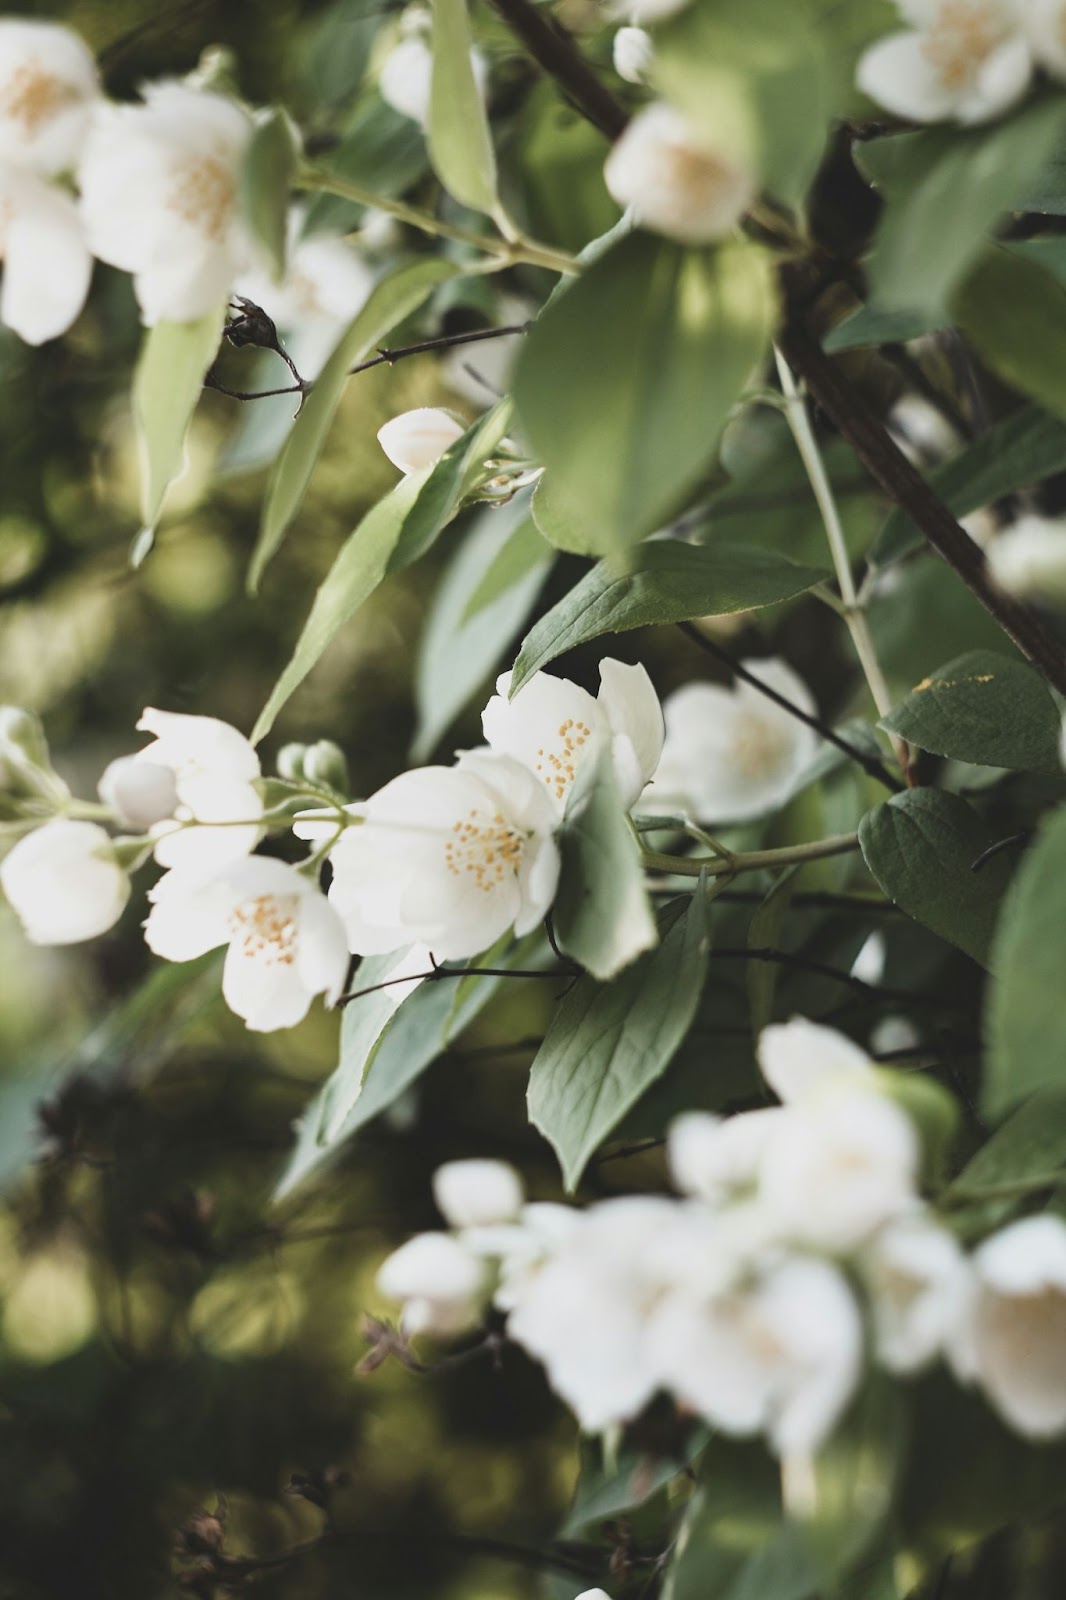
pixel 857 423
pixel 554 50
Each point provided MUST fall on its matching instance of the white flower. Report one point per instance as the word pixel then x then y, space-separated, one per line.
pixel 1015 1341
pixel 633 54
pixel 140 793
pixel 1028 559
pixel 844 1159
pixel 732 754
pixel 159 197
pixel 65 882
pixel 645 11
pixel 869 964
pixel 417 439
pixel 594 1594
pixel 448 856
pixel 441 1283
pixel 286 944
pixel 673 183
pixel 718 1158
pixel 326 282
pixel 48 84
pixel 585 1312
pixel 964 59
pixel 917 1277
pixel 477 1194
pixel 554 727
pixel 407 72
pixel 1044 22
pixel 47 265
pixel 780 1353
pixel 214 769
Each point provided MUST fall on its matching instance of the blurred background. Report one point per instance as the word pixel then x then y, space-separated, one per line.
pixel 176 1355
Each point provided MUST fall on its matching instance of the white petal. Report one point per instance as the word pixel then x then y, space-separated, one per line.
pixel 1002 78
pixel 64 882
pixel 267 994
pixel 477 1194
pixel 188 917
pixel 799 1057
pixel 672 182
pixel 48 82
pixel 204 743
pixel 631 707
pixel 322 950
pixel 552 726
pixel 47 265
pixel 897 73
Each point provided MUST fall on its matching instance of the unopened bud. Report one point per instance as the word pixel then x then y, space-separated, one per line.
pixel 417 439
pixel 673 183
pixel 477 1194
pixel 140 793
pixel 633 54
pixel 325 765
pixel 25 764
pixel 291 762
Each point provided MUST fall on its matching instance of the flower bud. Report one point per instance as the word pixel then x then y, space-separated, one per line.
pixel 441 1284
pixel 1028 560
pixel 65 883
pixel 417 439
pixel 477 1194
pixel 290 762
pixel 25 764
pixel 140 793
pixel 325 764
pixel 673 183
pixel 633 54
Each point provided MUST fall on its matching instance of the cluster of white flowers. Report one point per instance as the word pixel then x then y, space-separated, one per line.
pixel 149 187
pixel 964 60
pixel 800 1250
pixel 446 859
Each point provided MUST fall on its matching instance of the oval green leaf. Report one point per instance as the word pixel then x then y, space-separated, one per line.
pixel 169 380
pixel 460 144
pixel 988 709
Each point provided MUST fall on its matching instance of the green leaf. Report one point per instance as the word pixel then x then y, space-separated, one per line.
pixel 1015 453
pixel 607 1043
pixel 557 526
pixel 393 533
pixel 627 379
pixel 871 326
pixel 392 300
pixel 1014 315
pixel 381 1056
pixel 921 846
pixel 946 189
pixel 1025 1022
pixel 627 1484
pixel 602 914
pixel 855 1477
pixel 752 76
pixel 521 555
pixel 734 1543
pixel 460 144
pixel 169 380
pixel 664 581
pixel 763 934
pixel 459 651
pixel 988 709
pixel 265 185
pixel 1029 1147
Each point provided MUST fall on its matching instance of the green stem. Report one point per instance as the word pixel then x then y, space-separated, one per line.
pixel 751 860
pixel 507 252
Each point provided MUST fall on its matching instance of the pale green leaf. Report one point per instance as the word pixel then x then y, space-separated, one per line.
pixel 391 301
pixel 459 651
pixel 985 708
pixel 169 380
pixel 921 847
pixel 627 378
pixel 460 144
pixel 518 557
pixel 607 1043
pixel 764 931
pixel 602 913
pixel 1014 315
pixel 1028 1148
pixel 265 185
pixel 663 581
pixel 1025 1024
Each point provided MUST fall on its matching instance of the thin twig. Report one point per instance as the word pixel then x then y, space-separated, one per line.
pixel 553 49
pixel 436 972
pixel 870 764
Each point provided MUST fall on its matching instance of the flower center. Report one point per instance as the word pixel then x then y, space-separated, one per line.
pixel 32 96
pixel 203 194
pixel 486 848
pixel 758 749
pixel 556 764
pixel 963 34
pixel 265 929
